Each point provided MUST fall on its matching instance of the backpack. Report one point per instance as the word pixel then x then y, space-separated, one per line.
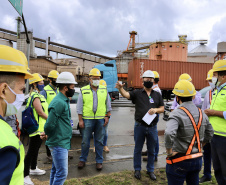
pixel 29 124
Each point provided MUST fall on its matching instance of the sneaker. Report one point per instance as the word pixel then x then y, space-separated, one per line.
pixel 204 179
pixel 37 171
pixel 27 181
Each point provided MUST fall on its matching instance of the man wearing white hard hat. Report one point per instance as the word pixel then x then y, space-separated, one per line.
pixel 150 103
pixel 58 127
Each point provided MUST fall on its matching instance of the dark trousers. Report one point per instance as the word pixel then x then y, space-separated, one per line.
pixel 30 160
pixel 218 144
pixel 207 160
pixel 48 151
pixel 187 170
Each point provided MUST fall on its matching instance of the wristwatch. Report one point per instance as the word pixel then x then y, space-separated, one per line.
pixel 107 116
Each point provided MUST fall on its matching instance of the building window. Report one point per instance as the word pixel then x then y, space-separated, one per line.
pixel 178 46
pixel 183 47
pixel 156 46
pixel 163 46
pixel 170 46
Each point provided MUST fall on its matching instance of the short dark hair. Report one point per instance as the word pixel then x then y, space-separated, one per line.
pixel 156 80
pixel 185 99
pixel 61 86
pixel 221 73
pixel 9 78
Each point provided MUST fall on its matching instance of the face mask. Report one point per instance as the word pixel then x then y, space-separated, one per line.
pixel 96 83
pixel 148 84
pixel 212 85
pixel 54 83
pixel 40 87
pixel 12 108
pixel 214 80
pixel 177 100
pixel 70 92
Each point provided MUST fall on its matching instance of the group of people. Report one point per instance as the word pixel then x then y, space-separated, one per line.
pixel 188 130
pixel 51 109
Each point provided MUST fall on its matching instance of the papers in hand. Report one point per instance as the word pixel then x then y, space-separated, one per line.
pixel 148 118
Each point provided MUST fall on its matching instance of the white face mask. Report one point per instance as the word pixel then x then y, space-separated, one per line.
pixel 12 108
pixel 214 80
pixel 96 83
pixel 212 85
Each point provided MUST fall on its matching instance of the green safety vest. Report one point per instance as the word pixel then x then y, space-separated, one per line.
pixel 218 103
pixel 9 139
pixel 87 96
pixel 50 93
pixel 41 121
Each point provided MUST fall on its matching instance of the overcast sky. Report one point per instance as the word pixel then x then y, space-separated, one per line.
pixel 103 26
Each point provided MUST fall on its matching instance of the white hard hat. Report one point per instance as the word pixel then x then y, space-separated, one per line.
pixel 148 74
pixel 66 78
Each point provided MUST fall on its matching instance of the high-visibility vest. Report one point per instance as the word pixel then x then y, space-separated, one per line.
pixel 188 154
pixel 210 96
pixel 88 102
pixel 218 103
pixel 50 93
pixel 41 121
pixel 9 140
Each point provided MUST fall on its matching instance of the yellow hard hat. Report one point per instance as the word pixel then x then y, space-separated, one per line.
pixel 53 74
pixel 210 74
pixel 184 88
pixel 94 72
pixel 185 76
pixel 36 78
pixel 219 65
pixel 156 74
pixel 13 60
pixel 102 82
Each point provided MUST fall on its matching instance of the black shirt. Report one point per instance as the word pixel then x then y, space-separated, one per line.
pixel 143 103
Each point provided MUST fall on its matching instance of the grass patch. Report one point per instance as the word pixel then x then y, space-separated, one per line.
pixel 125 178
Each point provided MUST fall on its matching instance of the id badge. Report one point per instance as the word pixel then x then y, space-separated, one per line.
pixel 72 124
pixel 151 100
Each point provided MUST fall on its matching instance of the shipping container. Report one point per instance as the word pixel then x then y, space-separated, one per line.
pixel 169 72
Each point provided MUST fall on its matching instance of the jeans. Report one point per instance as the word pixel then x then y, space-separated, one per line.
pixel 96 126
pixel 187 170
pixel 157 146
pixel 105 136
pixel 218 152
pixel 140 133
pixel 59 169
pixel 30 160
pixel 207 161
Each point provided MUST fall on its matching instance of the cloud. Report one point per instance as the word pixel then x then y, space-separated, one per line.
pixel 103 26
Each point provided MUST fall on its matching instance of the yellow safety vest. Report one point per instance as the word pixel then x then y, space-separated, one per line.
pixel 41 121
pixel 9 139
pixel 218 103
pixel 50 93
pixel 87 95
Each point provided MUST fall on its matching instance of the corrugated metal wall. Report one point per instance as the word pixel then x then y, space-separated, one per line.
pixel 169 72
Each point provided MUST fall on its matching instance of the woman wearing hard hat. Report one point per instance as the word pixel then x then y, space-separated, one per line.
pixel 40 111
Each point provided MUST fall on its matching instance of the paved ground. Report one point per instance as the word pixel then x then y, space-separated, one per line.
pixel 120 142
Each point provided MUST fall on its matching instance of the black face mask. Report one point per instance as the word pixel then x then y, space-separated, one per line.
pixel 178 101
pixel 54 83
pixel 148 84
pixel 70 92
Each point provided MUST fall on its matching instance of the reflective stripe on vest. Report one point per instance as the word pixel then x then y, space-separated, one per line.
pixel 41 121
pixel 194 138
pixel 210 96
pixel 219 104
pixel 50 93
pixel 9 139
pixel 87 96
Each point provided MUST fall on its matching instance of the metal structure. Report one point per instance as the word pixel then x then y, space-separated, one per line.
pixel 146 45
pixel 58 48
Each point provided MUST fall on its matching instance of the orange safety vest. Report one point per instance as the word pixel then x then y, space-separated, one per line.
pixel 195 137
pixel 210 96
